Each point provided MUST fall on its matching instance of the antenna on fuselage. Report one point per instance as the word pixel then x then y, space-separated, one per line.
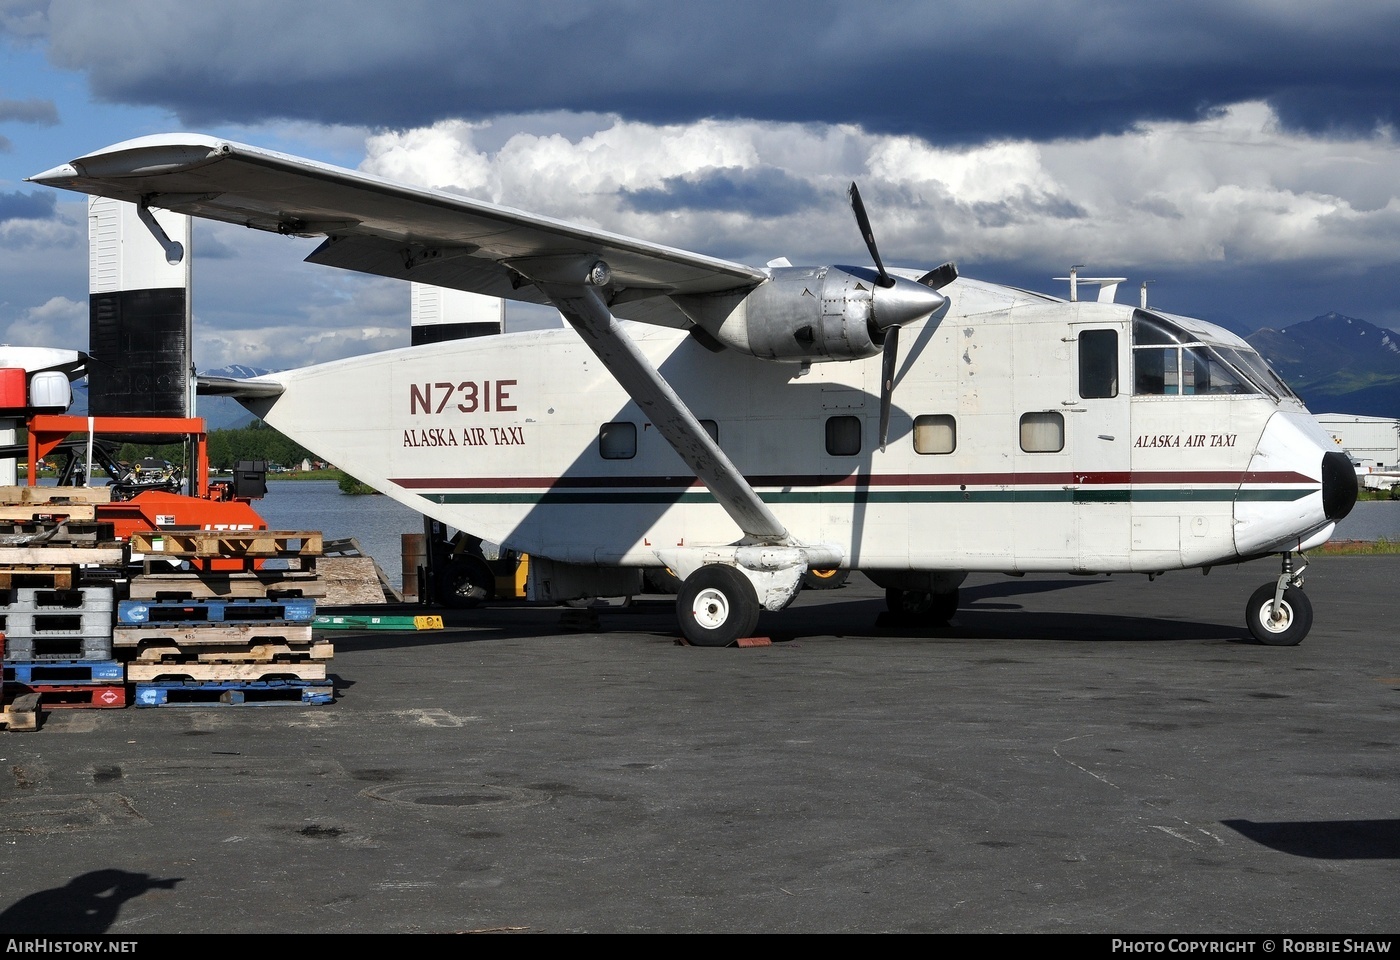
pixel 1142 296
pixel 1108 286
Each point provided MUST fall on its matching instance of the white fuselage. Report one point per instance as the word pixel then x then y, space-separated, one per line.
pixel 503 437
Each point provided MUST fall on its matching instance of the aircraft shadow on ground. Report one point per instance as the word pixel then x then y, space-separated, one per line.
pixel 988 611
pixel 1325 839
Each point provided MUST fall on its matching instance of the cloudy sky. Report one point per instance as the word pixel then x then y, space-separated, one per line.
pixel 1239 154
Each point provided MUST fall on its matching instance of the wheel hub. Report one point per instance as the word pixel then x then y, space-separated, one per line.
pixel 711 609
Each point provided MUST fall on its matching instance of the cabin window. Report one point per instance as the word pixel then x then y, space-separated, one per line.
pixel 935 433
pixel 1043 432
pixel 1098 364
pixel 617 440
pixel 712 428
pixel 843 436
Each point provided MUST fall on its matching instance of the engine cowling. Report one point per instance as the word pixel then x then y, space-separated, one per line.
pixel 815 313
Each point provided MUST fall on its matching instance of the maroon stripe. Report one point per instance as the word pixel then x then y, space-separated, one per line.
pixel 1122 478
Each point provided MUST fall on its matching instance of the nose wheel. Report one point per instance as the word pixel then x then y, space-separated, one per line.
pixel 1280 614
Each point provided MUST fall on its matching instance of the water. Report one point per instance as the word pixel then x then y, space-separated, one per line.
pixel 1371 520
pixel 377 522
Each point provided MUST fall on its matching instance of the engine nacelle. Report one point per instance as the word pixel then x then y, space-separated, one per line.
pixel 813 313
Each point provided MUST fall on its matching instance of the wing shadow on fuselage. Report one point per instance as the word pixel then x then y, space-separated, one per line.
pixel 758 407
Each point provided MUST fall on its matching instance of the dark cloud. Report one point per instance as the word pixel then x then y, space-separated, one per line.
pixel 28 206
pixel 1007 213
pixel 22 20
pixel 949 71
pixel 763 192
pixel 38 111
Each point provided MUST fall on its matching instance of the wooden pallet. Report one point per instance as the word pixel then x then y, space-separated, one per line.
pixel 68 532
pixel 27 494
pixel 220 645
pixel 168 651
pixel 22 714
pixel 54 554
pixel 206 585
pixel 34 512
pixel 38 575
pixel 210 544
pixel 219 672
pixel 206 634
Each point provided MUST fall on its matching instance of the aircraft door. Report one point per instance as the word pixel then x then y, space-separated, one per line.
pixel 1098 434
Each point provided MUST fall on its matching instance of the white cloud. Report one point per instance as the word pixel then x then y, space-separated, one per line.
pixel 1231 190
pixel 58 322
pixel 1234 186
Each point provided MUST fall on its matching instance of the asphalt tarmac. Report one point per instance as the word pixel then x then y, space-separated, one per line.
pixel 1071 755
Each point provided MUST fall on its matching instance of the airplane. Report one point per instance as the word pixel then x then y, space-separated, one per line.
pixel 741 425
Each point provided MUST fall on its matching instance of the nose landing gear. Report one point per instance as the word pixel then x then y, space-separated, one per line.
pixel 1280 614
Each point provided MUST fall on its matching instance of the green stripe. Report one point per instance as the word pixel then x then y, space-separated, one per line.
pixel 1119 495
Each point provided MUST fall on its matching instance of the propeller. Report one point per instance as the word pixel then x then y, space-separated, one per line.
pixel 891 348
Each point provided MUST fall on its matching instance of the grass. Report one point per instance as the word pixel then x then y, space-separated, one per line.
pixel 1356 548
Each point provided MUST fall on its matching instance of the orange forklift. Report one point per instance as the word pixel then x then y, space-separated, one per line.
pixel 148 495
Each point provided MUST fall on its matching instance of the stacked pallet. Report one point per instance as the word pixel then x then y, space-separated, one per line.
pixel 59 646
pixel 18 711
pixel 57 626
pixel 49 534
pixel 240 633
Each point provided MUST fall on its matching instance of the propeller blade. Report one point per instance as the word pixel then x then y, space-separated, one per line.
pixel 940 277
pixel 863 221
pixel 887 365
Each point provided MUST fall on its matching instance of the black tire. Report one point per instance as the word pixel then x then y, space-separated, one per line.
pixel 1294 621
pixel 921 608
pixel 828 578
pixel 465 582
pixel 716 606
pixel 661 580
pixel 943 607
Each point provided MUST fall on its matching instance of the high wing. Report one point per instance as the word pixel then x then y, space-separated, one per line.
pixel 390 229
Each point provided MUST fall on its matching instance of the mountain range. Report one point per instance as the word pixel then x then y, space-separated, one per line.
pixel 1335 363
pixel 219 413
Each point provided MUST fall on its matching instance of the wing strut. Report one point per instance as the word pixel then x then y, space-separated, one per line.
pixel 586 313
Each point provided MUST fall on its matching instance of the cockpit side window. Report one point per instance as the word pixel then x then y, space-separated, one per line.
pixel 1258 371
pixel 1170 361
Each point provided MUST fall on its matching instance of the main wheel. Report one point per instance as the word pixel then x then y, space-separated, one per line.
pixel 465 582
pixel 661 580
pixel 921 607
pixel 717 605
pixel 1292 623
pixel 943 607
pixel 826 578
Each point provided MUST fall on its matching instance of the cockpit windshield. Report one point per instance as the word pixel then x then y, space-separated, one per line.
pixel 1169 360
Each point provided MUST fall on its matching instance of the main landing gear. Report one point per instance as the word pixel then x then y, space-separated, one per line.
pixel 921 608
pixel 717 605
pixel 1280 614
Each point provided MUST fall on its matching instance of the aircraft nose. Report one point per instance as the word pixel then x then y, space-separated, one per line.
pixel 1338 485
pixel 904 302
